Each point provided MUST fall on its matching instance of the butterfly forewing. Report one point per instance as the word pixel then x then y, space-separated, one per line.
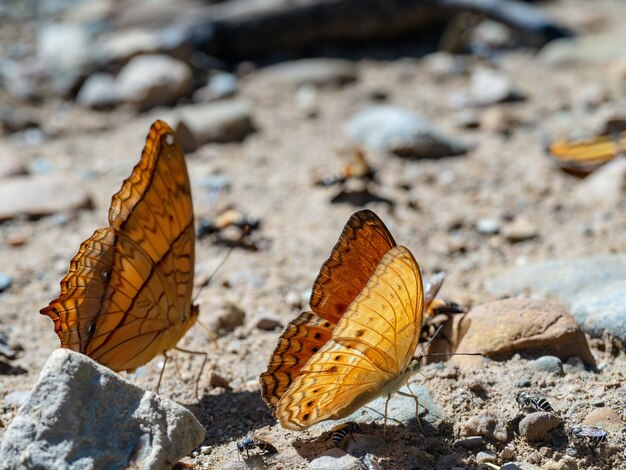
pixel 362 244
pixel 127 296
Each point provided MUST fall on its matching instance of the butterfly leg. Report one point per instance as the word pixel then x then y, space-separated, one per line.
pixel 417 404
pixel 204 360
pixel 165 359
pixel 385 420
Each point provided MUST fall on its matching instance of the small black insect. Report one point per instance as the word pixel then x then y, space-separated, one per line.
pixel 593 437
pixel 341 431
pixel 526 400
pixel 250 442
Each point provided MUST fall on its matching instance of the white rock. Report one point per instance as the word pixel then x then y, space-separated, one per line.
pixel 334 459
pixel 81 415
pixel 395 130
pixel 153 80
pixel 98 91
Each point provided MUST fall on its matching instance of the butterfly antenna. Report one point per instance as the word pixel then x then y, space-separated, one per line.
pixel 244 234
pixel 422 355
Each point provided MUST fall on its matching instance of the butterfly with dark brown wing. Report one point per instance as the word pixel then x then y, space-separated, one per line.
pixel 127 295
pixel 359 341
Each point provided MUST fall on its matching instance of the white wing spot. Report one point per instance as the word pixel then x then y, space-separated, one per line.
pixel 169 139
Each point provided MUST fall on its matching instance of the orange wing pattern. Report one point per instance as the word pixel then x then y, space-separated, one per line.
pixel 362 243
pixel 584 156
pixel 370 352
pixel 127 295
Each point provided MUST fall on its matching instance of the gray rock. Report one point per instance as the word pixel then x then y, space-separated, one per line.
pixel 550 364
pixel 98 92
pixel 395 130
pixel 602 307
pixel 5 281
pixel 153 80
pixel 590 288
pixel 39 195
pixel 317 72
pixel 220 85
pixel 402 409
pixel 536 426
pixel 82 415
pixel 223 121
pixel 334 459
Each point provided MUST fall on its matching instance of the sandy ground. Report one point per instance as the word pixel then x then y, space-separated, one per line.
pixel 271 174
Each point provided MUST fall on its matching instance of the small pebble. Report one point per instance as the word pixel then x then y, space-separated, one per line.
pixel 206 450
pixel 519 230
pixel 536 426
pixel 216 380
pixel 550 364
pixel 488 226
pixel 508 452
pixel 5 282
pixel 267 323
pixel 229 318
pixel 487 425
pixel 483 456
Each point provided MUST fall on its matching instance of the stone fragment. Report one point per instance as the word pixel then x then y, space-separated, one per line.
pixel 519 230
pixel 395 130
pixel 536 426
pixel 334 459
pixel 317 72
pixel 82 415
pixel 98 92
pixel 222 121
pixel 550 364
pixel 153 80
pixel 40 195
pixel 10 164
pixel 502 328
pixel 486 425
pixel 227 319
pixel 267 323
pixel 5 281
pixel 606 418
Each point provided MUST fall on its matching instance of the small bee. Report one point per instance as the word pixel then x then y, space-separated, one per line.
pixel 251 442
pixel 526 400
pixel 593 437
pixel 339 432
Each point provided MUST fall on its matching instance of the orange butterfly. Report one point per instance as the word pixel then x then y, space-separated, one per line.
pixel 127 295
pixel 583 156
pixel 359 341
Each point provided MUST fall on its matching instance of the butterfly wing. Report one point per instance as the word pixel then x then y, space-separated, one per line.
pixel 361 245
pixel 584 156
pixel 369 351
pixel 127 295
pixel 302 338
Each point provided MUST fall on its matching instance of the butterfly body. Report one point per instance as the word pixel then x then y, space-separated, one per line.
pixel 127 295
pixel 359 342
